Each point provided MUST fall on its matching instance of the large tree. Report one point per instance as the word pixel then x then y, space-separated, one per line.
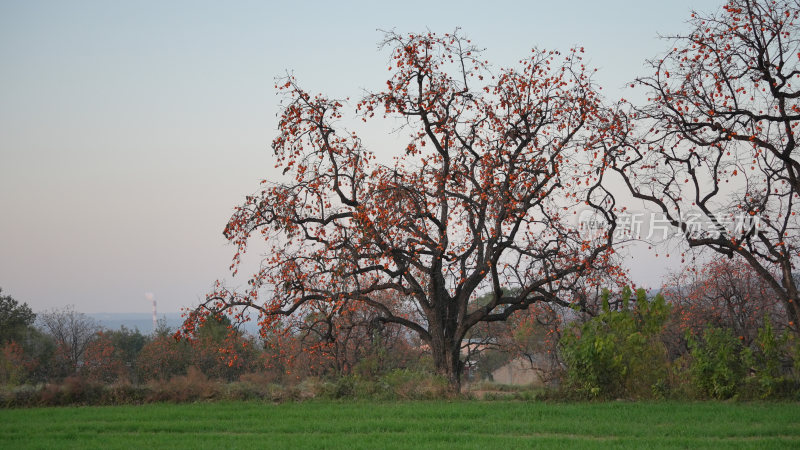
pixel 717 152
pixel 483 198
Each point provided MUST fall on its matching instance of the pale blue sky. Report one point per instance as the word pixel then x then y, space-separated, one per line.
pixel 129 130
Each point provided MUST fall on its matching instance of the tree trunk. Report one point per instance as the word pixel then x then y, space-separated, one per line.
pixel 447 361
pixel 793 311
pixel 790 299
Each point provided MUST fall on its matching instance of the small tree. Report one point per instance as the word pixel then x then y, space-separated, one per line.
pixel 72 332
pixel 354 340
pixel 220 351
pixel 15 366
pixel 127 344
pixel 162 358
pixel 483 197
pixel 102 360
pixel 15 319
pixel 724 293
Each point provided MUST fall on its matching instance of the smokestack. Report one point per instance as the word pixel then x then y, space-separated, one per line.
pixel 150 296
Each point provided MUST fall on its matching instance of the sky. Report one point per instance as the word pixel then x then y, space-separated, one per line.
pixel 130 130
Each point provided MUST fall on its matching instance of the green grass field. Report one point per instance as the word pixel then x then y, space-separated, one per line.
pixel 458 424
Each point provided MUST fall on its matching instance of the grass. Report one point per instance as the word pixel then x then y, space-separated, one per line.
pixel 457 424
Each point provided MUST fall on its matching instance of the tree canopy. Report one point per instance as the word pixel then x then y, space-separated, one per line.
pixel 483 197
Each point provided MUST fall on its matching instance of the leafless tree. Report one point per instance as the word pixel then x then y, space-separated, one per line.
pixel 71 330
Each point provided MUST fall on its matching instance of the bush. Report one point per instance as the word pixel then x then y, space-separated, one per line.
pixel 719 363
pixel 403 384
pixel 74 390
pixel 398 384
pixel 776 363
pixel 19 396
pixel 619 353
pixel 124 393
pixel 185 388
pixel 14 364
pixel 162 359
pixel 343 387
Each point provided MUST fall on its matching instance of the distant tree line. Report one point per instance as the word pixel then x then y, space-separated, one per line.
pixel 717 332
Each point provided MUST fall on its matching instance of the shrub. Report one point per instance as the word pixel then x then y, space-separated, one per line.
pixel 124 393
pixel 15 366
pixel 719 363
pixel 403 384
pixel 184 388
pixel 619 353
pixel 162 359
pixel 776 363
pixel 24 395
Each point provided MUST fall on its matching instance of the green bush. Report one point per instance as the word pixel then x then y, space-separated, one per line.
pixel 719 363
pixel 343 387
pixel 776 363
pixel 124 393
pixel 404 384
pixel 618 353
